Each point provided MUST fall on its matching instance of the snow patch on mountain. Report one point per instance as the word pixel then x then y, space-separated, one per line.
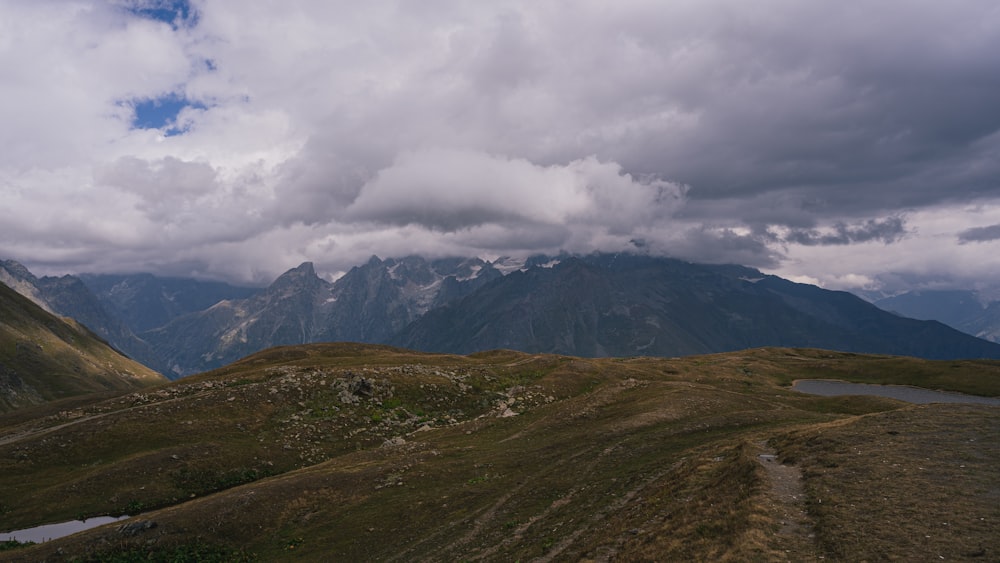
pixel 507 265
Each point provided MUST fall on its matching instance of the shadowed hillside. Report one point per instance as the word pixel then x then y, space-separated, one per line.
pixel 369 453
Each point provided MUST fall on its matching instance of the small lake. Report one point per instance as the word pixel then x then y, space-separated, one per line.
pixel 919 395
pixel 47 532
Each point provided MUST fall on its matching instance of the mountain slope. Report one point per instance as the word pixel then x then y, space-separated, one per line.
pixel 68 296
pixel 43 357
pixel 369 453
pixel 620 305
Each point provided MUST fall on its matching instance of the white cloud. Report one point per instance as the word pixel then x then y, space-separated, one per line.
pixel 69 72
pixel 449 190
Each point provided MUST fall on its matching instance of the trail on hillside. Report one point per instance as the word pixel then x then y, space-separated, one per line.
pixel 785 497
pixel 20 434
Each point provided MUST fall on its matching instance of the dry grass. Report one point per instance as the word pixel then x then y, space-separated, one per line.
pixel 628 460
pixel 918 483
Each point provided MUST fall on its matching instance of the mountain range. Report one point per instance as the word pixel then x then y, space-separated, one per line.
pixel 965 310
pixel 592 306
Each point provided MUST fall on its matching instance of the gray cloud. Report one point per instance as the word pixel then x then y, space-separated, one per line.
pixel 980 234
pixel 726 246
pixel 887 231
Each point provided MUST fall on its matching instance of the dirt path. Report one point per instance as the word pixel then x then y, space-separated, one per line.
pixel 35 432
pixel 785 496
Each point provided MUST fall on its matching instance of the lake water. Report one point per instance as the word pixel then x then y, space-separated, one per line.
pixel 832 387
pixel 46 532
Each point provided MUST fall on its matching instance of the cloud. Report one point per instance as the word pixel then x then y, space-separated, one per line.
pixel 980 234
pixel 810 138
pixel 887 231
pixel 449 190
pixel 928 256
pixel 67 69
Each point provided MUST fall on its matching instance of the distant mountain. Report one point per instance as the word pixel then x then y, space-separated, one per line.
pixel 43 357
pixel 370 304
pixel 621 305
pixel 145 301
pixel 119 306
pixel 597 305
pixel 68 296
pixel 963 310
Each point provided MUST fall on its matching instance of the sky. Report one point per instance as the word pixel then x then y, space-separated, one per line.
pixel 854 145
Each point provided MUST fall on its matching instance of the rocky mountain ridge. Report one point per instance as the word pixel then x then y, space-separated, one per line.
pixel 592 306
pixel 371 303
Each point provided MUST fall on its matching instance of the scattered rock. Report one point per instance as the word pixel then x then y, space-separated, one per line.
pixel 137 527
pixel 361 387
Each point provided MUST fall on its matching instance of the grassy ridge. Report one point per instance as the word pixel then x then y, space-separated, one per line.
pixel 352 452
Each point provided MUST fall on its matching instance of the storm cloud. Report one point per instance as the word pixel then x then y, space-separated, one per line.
pixel 845 144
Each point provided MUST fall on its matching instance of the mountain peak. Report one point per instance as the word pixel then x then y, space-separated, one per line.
pixel 16 270
pixel 304 273
pixel 303 269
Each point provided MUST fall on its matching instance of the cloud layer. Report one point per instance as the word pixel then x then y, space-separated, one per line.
pixel 848 144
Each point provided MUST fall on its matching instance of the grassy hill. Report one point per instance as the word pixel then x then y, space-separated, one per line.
pixel 343 452
pixel 45 358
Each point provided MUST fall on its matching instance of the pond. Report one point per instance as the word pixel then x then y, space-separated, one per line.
pixel 47 532
pixel 919 395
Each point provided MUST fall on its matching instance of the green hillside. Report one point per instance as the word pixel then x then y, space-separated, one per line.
pixel 45 358
pixel 342 452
